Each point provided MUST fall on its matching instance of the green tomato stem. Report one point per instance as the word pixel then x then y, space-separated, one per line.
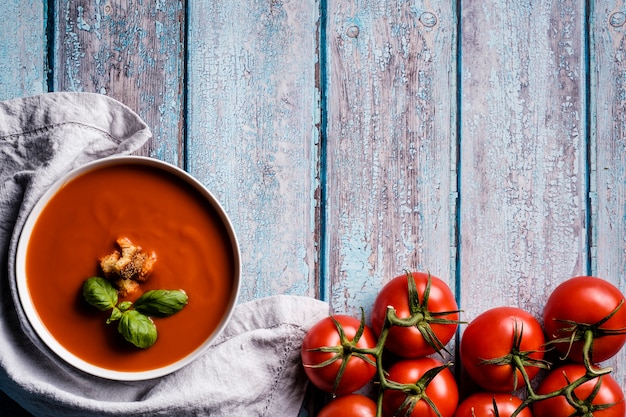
pixel 568 390
pixel 587 349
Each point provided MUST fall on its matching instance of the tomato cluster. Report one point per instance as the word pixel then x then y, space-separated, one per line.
pixel 503 350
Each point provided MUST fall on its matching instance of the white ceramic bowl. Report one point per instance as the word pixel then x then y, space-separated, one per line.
pixel 32 314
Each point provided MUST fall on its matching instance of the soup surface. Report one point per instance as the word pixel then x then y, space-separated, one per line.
pixel 158 212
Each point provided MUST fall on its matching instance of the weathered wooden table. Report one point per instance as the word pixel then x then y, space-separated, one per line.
pixel 484 141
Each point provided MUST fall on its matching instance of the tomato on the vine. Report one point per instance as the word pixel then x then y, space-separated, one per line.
pixel 441 391
pixel 481 404
pixel 589 301
pixel 437 309
pixel 350 405
pixel 490 342
pixel 609 393
pixel 338 370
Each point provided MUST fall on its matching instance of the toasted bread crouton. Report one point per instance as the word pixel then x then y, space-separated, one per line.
pixel 126 286
pixel 128 266
pixel 109 262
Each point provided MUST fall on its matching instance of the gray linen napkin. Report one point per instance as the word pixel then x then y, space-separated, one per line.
pixel 252 369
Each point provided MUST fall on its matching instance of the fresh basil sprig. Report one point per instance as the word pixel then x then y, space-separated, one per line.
pixel 135 324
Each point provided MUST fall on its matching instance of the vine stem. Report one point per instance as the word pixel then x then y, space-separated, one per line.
pixel 568 390
pixel 377 352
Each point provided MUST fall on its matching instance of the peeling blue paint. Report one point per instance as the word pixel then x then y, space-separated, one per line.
pixel 81 24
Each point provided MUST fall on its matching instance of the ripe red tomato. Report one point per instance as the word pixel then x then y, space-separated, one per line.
pixel 442 390
pixel 585 300
pixel 490 336
pixel 351 405
pixel 358 371
pixel 409 342
pixel 609 393
pixel 481 405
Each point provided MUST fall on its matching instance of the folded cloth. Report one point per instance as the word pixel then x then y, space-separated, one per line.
pixel 252 369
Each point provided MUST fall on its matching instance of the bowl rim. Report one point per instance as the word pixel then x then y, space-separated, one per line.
pixel 33 319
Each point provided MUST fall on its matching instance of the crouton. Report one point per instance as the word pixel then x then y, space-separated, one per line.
pixel 127 267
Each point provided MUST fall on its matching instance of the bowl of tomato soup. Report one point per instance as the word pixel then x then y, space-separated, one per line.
pixel 82 220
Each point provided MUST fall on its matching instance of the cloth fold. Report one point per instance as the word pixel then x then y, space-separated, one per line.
pixel 252 369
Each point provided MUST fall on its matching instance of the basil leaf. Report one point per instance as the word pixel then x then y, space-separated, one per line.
pixel 161 303
pixel 138 329
pixel 125 305
pixel 116 314
pixel 100 293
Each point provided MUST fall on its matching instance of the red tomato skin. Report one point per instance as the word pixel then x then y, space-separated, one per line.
pixel 442 390
pixel 609 393
pixel 324 333
pixel 480 404
pixel 408 342
pixel 350 405
pixel 490 336
pixel 585 299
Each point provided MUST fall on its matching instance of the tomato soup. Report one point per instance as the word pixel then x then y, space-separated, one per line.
pixel 158 211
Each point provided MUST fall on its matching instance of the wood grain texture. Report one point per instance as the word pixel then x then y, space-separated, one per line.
pixel 133 51
pixel 23 48
pixel 390 146
pixel 608 159
pixel 523 152
pixel 253 133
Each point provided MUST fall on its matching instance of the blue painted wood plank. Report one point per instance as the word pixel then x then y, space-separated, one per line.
pixel 132 51
pixel 608 157
pixel 23 48
pixel 253 133
pixel 23 72
pixel 391 146
pixel 523 152
pixel 527 158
